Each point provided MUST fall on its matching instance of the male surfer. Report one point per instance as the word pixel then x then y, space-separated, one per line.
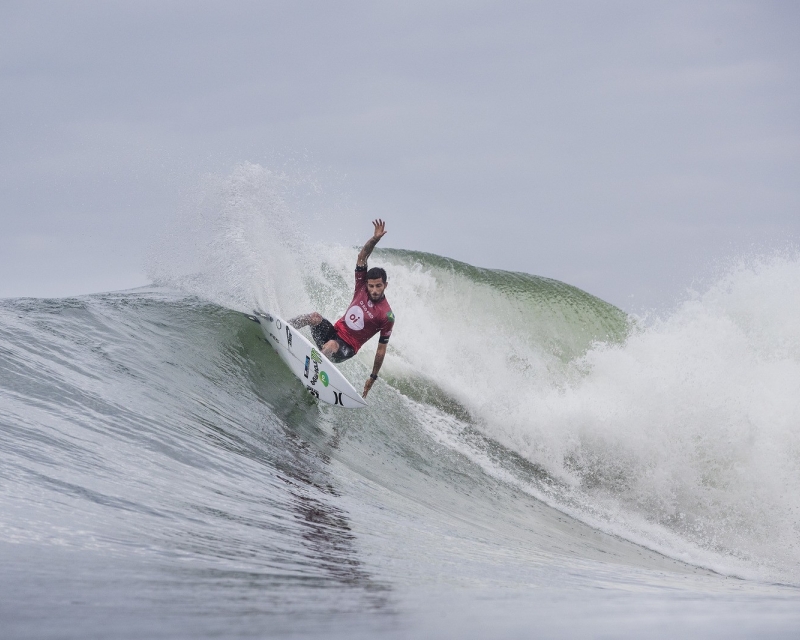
pixel 368 313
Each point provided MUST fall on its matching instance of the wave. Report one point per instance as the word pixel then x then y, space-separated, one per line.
pixel 681 432
pixel 157 419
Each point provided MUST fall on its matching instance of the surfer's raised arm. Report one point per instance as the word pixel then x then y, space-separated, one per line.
pixel 379 231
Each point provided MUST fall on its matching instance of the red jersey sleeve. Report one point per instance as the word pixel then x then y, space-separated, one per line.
pixel 361 278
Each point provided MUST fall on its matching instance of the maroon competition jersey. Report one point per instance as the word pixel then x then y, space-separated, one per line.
pixel 364 318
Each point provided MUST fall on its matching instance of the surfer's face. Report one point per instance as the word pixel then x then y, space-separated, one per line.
pixel 375 288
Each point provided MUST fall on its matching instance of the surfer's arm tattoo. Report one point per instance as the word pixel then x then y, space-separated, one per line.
pixel 366 250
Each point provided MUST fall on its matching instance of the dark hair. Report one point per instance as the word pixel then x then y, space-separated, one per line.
pixel 375 273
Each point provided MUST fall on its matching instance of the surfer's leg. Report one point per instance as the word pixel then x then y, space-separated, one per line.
pixel 322 332
pixel 312 319
pixel 330 348
pixel 337 350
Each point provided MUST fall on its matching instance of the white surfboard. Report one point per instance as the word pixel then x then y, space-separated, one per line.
pixel 322 380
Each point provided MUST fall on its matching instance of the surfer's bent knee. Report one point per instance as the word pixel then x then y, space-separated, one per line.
pixel 330 347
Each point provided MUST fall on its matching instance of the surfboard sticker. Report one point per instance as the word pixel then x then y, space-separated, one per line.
pixel 309 365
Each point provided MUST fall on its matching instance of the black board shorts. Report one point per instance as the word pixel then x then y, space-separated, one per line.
pixel 324 332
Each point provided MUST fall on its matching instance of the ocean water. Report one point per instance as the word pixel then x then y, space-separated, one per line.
pixel 533 463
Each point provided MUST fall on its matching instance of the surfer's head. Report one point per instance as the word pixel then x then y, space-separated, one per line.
pixel 376 283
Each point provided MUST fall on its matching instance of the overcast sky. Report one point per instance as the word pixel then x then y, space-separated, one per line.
pixel 623 147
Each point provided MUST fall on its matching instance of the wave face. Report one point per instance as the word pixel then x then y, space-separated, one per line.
pixel 157 456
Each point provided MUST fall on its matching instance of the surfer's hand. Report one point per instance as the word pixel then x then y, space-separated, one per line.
pixel 367 387
pixel 378 232
pixel 380 229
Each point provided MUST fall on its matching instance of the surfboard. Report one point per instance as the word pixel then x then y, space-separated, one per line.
pixel 309 365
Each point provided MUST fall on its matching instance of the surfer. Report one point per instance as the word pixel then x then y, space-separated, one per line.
pixel 367 314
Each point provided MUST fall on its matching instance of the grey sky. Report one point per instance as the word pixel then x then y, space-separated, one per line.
pixel 622 147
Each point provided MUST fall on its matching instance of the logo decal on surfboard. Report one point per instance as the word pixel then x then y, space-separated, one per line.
pixel 308 362
pixel 324 377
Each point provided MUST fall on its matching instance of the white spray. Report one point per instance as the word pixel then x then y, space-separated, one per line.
pixel 689 427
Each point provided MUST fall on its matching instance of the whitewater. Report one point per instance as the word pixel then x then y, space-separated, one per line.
pixel 534 462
